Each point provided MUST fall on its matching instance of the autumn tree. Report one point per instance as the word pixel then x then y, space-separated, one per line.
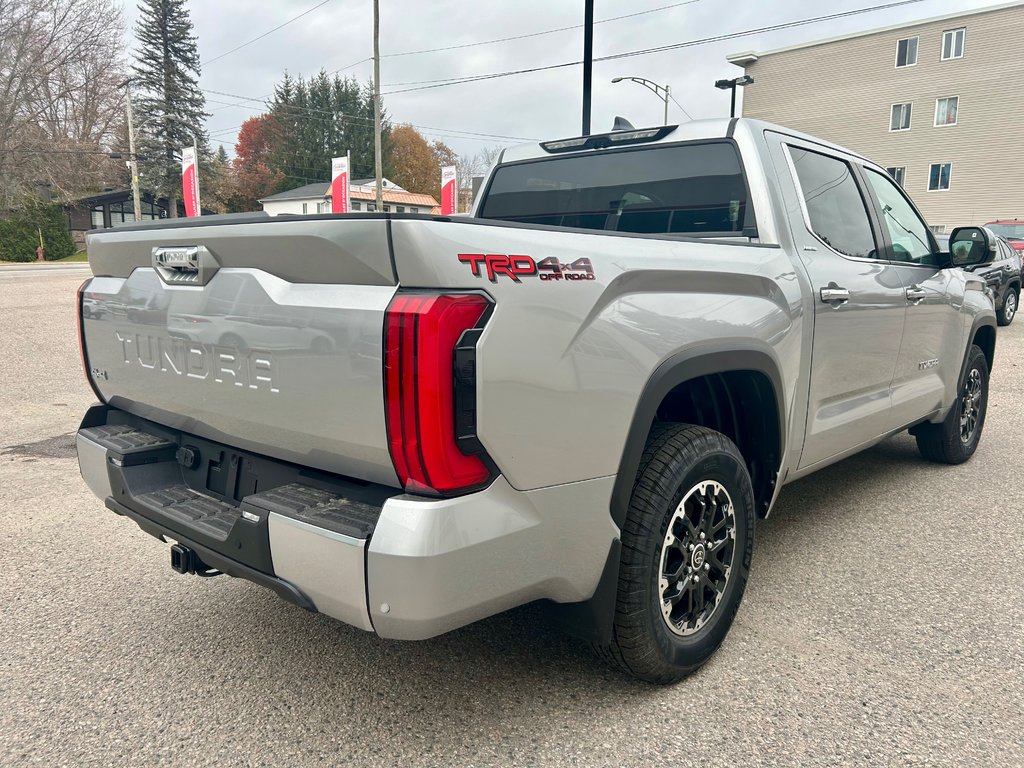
pixel 252 178
pixel 171 108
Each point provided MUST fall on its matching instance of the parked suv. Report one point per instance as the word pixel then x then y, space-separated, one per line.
pixel 1002 276
pixel 1012 230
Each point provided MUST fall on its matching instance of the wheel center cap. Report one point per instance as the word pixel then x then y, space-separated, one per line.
pixel 698 557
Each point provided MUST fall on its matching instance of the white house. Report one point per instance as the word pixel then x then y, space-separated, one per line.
pixel 316 198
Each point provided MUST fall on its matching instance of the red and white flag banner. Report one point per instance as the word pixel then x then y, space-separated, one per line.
pixel 190 181
pixel 449 191
pixel 339 185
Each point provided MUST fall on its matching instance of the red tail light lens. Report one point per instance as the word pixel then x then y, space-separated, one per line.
pixel 421 333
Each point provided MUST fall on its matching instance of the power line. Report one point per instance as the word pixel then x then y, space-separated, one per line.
pixel 268 32
pixel 291 110
pixel 537 34
pixel 659 49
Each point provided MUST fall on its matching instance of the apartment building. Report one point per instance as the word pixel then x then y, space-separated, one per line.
pixel 938 102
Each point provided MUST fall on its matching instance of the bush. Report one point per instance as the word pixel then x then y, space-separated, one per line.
pixel 19 233
pixel 18 241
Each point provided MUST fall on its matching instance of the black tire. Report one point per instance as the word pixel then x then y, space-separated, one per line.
pixel 1008 311
pixel 950 442
pixel 677 460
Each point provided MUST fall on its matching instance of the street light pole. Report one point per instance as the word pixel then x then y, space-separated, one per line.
pixel 730 85
pixel 661 91
pixel 588 61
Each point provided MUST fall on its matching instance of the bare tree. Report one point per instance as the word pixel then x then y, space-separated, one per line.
pixel 60 64
pixel 470 166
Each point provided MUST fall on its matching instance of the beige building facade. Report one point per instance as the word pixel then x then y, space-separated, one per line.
pixel 940 103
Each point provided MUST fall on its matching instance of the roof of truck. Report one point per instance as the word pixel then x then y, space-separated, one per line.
pixel 694 130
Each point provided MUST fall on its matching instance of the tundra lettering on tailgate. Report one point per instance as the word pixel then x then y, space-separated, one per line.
pixel 516 265
pixel 192 360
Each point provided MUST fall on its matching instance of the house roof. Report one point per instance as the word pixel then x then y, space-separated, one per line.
pixel 317 190
pixel 746 58
pixel 322 191
pixel 400 198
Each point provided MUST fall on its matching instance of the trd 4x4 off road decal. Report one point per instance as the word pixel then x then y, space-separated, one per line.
pixel 518 265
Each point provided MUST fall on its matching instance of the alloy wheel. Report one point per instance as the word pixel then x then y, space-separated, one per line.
pixel 1010 307
pixel 697 557
pixel 970 406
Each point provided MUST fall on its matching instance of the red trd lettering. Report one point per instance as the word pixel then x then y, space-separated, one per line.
pixel 473 259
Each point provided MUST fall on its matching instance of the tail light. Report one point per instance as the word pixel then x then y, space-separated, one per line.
pixel 430 379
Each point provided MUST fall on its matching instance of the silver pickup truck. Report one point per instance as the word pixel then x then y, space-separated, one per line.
pixel 585 393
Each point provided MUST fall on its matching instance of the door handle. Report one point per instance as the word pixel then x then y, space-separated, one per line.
pixel 915 294
pixel 835 295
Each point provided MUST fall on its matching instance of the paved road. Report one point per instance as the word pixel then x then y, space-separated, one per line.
pixel 882 625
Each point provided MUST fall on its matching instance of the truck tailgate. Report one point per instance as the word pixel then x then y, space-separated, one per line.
pixel 264 334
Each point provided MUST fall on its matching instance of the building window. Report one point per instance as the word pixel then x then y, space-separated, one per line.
pixel 945 110
pixel 356 206
pixel 906 52
pixel 387 207
pixel 953 43
pixel 371 206
pixel 899 117
pixel 897 172
pixel 400 209
pixel 304 208
pixel 938 177
pixel 414 210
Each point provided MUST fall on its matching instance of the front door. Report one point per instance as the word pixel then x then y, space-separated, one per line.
pixel 931 354
pixel 859 306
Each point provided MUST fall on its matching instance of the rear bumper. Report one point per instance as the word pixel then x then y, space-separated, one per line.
pixel 424 567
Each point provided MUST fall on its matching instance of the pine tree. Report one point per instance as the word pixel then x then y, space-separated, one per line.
pixel 170 106
pixel 317 119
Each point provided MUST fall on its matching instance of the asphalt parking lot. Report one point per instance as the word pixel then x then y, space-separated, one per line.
pixel 881 626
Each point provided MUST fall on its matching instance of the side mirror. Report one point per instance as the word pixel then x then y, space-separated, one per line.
pixel 971 246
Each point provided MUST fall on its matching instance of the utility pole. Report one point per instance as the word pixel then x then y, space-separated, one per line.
pixel 376 103
pixel 133 162
pixel 588 61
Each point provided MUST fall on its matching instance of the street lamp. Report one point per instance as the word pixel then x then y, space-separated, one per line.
pixel 730 85
pixel 661 91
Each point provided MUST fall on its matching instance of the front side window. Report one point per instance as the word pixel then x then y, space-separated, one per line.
pixel 834 204
pixel 899 117
pixel 953 43
pixel 685 189
pixel 945 110
pixel 897 172
pixel 938 177
pixel 906 52
pixel 909 234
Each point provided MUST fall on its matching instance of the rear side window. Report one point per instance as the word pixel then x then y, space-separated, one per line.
pixel 691 189
pixel 834 204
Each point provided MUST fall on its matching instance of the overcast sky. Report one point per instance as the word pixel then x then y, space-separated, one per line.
pixel 538 105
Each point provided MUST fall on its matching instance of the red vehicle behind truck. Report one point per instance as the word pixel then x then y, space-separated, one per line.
pixel 1012 230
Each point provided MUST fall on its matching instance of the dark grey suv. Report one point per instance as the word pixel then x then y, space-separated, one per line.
pixel 1003 277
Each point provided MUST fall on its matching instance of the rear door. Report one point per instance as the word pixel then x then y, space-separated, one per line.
pixel 859 304
pixel 932 350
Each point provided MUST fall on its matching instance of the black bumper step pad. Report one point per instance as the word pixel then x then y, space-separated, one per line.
pixel 129 446
pixel 317 507
pixel 213 517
